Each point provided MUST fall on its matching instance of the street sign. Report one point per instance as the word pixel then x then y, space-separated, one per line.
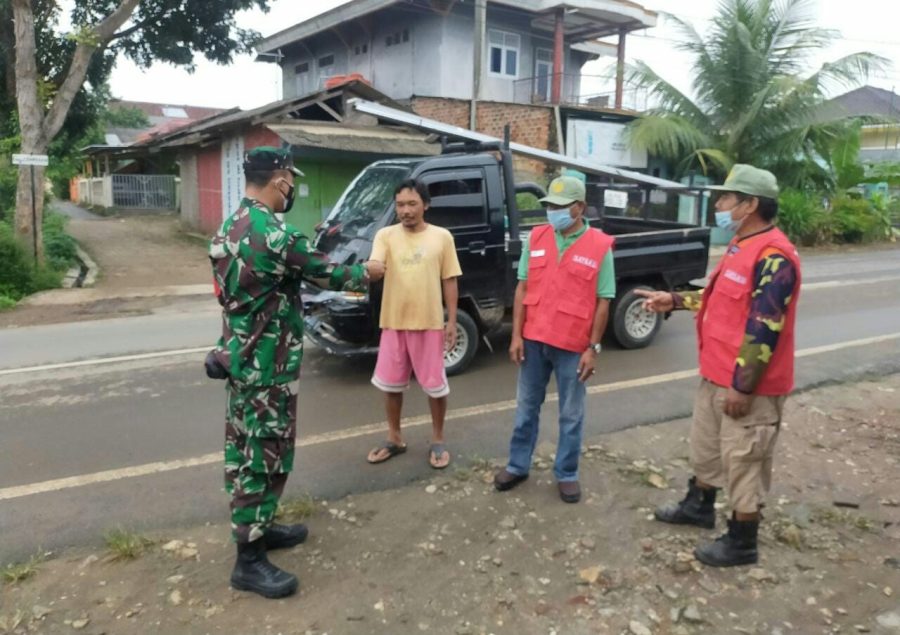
pixel 30 159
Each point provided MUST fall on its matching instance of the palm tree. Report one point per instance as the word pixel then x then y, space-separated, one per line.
pixel 753 99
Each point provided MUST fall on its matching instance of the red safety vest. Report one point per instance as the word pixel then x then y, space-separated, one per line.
pixel 722 319
pixel 562 293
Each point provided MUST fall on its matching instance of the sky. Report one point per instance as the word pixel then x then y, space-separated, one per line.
pixel 864 25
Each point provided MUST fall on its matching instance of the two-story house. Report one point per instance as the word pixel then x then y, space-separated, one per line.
pixel 408 48
pixel 529 74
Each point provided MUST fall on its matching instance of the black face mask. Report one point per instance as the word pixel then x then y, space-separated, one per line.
pixel 289 200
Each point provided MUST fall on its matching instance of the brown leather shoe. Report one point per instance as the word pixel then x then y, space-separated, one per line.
pixel 507 480
pixel 569 491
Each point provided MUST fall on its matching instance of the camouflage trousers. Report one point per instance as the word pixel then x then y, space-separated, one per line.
pixel 260 426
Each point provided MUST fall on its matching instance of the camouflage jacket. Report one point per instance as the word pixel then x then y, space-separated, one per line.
pixel 258 262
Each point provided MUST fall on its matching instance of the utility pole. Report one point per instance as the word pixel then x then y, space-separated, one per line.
pixel 478 61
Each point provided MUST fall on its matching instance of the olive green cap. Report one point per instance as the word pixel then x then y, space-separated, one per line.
pixel 565 190
pixel 747 179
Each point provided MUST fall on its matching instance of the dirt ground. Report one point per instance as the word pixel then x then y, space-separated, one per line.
pixel 451 555
pixel 142 251
pixel 131 252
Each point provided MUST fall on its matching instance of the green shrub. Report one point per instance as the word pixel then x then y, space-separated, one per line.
pixel 6 302
pixel 802 217
pixel 59 248
pixel 856 220
pixel 16 269
pixel 18 275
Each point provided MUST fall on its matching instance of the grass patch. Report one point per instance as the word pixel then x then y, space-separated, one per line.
pixel 126 545
pixel 16 572
pixel 297 508
pixel 833 517
pixel 6 302
pixel 480 464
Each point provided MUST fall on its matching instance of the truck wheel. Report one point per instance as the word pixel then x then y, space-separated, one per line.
pixel 632 326
pixel 460 356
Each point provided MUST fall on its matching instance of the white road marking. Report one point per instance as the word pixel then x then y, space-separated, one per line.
pixel 830 284
pixel 812 286
pixel 159 467
pixel 106 360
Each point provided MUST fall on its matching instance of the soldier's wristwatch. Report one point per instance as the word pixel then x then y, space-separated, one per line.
pixel 596 348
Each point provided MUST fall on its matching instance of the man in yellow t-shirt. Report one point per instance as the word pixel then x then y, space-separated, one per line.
pixel 421 269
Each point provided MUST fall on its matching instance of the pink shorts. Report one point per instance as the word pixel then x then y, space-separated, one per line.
pixel 401 353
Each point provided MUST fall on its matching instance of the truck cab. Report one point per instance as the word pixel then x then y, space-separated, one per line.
pixel 473 195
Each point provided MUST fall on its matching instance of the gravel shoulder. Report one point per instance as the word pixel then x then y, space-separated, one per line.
pixel 451 555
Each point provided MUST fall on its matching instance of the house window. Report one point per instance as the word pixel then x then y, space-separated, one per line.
pixel 326 68
pixel 396 38
pixel 301 74
pixel 504 53
pixel 361 49
pixel 543 74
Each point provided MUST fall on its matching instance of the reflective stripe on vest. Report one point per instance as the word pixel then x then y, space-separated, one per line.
pixel 722 319
pixel 561 293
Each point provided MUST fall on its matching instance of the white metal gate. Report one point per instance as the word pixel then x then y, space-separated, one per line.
pixel 144 191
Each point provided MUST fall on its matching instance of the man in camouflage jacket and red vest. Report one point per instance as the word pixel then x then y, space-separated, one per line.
pixel 566 280
pixel 745 330
pixel 258 263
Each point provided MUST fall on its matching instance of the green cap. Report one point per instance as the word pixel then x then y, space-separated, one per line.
pixel 747 179
pixel 564 190
pixel 268 158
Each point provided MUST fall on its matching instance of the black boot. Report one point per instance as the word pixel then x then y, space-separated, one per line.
pixel 253 572
pixel 697 508
pixel 283 536
pixel 736 547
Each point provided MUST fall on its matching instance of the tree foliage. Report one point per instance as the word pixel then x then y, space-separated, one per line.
pixel 754 97
pixel 52 76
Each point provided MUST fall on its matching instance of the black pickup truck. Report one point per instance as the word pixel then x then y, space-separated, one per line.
pixel 473 194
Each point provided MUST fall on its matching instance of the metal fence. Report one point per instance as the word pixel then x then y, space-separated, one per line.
pixel 144 191
pixel 590 91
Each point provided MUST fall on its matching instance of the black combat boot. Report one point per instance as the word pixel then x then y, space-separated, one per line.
pixel 253 572
pixel 697 508
pixel 736 547
pixel 283 536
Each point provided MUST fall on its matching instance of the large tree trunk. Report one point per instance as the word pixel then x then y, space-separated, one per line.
pixel 37 128
pixel 30 219
pixel 31 119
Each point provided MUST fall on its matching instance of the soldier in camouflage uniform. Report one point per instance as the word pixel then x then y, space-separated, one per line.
pixel 258 262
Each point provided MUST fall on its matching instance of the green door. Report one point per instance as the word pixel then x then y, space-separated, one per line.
pixel 318 190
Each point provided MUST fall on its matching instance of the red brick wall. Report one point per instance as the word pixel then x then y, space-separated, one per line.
pixel 261 136
pixel 529 125
pixel 209 185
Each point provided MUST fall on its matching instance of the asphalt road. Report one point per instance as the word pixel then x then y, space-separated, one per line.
pixel 136 443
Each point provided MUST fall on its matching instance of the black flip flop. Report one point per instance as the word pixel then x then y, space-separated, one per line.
pixel 437 449
pixel 393 450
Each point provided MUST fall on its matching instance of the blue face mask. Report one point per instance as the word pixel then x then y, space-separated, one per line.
pixel 561 219
pixel 724 221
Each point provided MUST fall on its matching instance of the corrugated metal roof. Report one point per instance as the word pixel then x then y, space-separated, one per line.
pixel 368 139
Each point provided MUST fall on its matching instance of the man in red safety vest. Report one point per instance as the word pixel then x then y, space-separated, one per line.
pixel 566 280
pixel 745 331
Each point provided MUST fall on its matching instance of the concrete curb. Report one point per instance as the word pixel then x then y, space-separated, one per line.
pixel 58 297
pixel 86 272
pixel 90 278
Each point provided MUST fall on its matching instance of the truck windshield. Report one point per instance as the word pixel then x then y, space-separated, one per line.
pixel 364 202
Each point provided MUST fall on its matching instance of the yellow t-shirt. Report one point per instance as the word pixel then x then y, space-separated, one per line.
pixel 415 265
